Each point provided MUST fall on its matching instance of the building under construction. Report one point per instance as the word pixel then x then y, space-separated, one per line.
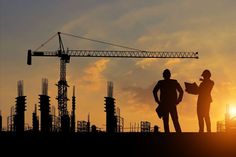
pixel 19 118
pixel 73 111
pixel 35 120
pixel 10 120
pixel 145 126
pixel 119 120
pixel 111 121
pixel 84 126
pixel 46 121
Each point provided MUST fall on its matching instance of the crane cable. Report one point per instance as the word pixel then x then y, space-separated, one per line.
pixel 99 41
pixel 43 44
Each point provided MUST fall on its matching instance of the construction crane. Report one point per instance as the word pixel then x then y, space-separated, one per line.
pixel 65 56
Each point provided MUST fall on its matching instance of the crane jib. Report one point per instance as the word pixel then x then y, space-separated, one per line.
pixel 38 54
pixel 109 53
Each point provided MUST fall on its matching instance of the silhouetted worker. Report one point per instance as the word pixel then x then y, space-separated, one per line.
pixel 204 100
pixel 168 100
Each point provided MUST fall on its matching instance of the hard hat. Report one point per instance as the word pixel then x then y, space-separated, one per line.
pixel 206 73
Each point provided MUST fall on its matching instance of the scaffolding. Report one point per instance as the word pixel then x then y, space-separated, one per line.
pixel 83 126
pixel 145 126
pixel 120 121
pixel 55 120
pixel 220 126
pixel 134 127
pixel 10 120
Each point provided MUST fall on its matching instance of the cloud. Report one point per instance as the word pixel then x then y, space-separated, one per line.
pixel 172 62
pixel 146 63
pixel 93 78
pixel 138 96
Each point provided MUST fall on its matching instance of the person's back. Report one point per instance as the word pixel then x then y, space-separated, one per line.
pixel 168 92
pixel 168 100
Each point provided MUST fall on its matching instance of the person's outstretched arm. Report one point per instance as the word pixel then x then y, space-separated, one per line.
pixel 181 93
pixel 155 90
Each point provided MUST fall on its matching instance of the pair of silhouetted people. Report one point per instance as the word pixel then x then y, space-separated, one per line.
pixel 171 94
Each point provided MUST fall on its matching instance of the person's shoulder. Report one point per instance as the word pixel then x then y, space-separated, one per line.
pixel 209 82
pixel 173 80
pixel 160 81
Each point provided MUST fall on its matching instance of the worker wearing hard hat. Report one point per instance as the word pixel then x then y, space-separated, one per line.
pixel 204 100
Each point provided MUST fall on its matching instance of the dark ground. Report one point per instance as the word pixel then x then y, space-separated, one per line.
pixel 120 144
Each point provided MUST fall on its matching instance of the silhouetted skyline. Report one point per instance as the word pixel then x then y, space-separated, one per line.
pixel 201 26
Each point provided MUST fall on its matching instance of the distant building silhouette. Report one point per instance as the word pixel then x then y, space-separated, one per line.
pixel 35 120
pixel 46 123
pixel 73 111
pixel 220 126
pixel 119 120
pixel 56 121
pixel 82 126
pixel 10 120
pixel 19 118
pixel 111 121
pixel 65 123
pixel 145 126
pixel 134 127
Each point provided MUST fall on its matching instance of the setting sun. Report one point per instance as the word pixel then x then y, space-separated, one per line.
pixel 232 111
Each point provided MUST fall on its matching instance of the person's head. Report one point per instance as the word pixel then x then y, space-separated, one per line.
pixel 166 74
pixel 206 74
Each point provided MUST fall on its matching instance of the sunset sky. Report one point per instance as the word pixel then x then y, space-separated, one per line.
pixel 204 26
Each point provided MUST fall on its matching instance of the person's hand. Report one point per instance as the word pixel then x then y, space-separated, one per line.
pixel 187 90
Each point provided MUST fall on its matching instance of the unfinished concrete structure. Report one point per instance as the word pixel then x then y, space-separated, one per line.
pixel 111 121
pixel 35 120
pixel 19 118
pixel 73 111
pixel 45 118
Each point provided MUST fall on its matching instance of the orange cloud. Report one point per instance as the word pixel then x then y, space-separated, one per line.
pixel 93 78
pixel 145 63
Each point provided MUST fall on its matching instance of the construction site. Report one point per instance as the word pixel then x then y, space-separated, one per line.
pixel 50 130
